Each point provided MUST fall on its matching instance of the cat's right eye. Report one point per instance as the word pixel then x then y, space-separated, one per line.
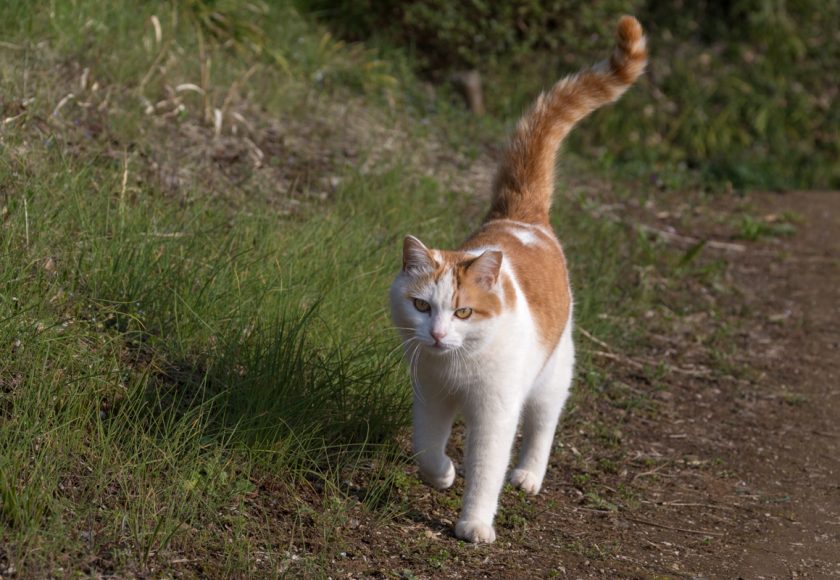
pixel 422 305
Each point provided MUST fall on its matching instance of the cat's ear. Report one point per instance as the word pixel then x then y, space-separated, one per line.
pixel 416 256
pixel 485 269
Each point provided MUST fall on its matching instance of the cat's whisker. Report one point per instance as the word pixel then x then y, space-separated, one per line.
pixel 462 364
pixel 403 344
pixel 415 382
pixel 458 367
pixel 401 330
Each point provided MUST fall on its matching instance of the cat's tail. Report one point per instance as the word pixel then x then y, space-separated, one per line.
pixel 524 183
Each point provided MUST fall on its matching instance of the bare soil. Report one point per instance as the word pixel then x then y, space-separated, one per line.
pixel 724 465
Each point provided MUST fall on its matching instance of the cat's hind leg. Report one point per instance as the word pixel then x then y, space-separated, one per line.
pixel 541 414
pixel 433 417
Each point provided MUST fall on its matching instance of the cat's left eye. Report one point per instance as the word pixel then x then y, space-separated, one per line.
pixel 463 313
pixel 422 305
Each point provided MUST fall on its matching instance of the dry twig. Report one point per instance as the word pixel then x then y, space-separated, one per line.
pixel 690 241
pixel 674 528
pixel 688 504
pixel 638 363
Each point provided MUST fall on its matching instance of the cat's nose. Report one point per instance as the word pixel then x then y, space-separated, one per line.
pixel 438 335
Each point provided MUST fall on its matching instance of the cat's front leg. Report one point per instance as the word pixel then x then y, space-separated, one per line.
pixel 490 434
pixel 433 417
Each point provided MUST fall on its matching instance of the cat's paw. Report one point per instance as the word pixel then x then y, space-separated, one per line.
pixel 525 480
pixel 475 532
pixel 442 479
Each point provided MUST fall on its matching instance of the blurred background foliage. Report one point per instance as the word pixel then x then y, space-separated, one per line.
pixel 741 92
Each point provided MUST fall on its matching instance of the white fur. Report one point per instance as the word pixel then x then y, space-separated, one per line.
pixel 526 237
pixel 493 371
pixel 528 234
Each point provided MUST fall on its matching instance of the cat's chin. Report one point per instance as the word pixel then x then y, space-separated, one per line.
pixel 441 349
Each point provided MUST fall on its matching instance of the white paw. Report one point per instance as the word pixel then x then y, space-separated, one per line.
pixel 475 532
pixel 525 480
pixel 440 480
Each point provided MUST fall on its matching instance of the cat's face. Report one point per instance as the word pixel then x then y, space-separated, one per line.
pixel 446 301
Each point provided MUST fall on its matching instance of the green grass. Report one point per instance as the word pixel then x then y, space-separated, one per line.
pixel 191 374
pixel 750 228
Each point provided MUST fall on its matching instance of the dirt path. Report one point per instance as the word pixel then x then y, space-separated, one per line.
pixel 772 508
pixel 745 469
pixel 792 452
pixel 729 473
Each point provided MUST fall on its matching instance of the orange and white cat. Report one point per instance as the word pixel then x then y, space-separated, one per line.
pixel 488 327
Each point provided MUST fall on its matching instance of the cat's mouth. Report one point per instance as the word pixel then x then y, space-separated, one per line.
pixel 441 347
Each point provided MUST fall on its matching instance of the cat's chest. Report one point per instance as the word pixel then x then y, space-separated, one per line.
pixel 451 373
pixel 461 372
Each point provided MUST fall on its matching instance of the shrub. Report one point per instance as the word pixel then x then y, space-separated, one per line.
pixel 739 91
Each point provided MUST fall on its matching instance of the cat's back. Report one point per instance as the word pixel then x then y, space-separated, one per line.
pixel 538 265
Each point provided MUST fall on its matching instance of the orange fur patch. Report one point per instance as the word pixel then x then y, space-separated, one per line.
pixel 540 270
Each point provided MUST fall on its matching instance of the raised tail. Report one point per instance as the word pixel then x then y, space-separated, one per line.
pixel 524 183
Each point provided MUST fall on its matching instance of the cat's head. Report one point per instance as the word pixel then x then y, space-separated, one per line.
pixel 446 300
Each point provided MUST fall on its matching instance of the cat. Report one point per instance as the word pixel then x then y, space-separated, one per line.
pixel 488 327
